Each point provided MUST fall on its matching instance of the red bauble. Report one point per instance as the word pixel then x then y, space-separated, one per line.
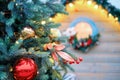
pixel 25 69
pixel 89 42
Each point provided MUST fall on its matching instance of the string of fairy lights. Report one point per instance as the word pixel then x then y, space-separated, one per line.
pixel 75 6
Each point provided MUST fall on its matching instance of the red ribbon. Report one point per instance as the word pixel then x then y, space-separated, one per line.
pixel 57 51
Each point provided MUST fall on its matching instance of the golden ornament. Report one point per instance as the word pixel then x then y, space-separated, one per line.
pixel 28 32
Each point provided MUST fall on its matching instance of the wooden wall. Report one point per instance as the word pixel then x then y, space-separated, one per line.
pixel 103 61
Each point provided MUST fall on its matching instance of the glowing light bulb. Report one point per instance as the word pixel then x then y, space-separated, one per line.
pixel 96 6
pixel 21 37
pixel 36 36
pixel 34 21
pixel 89 2
pixel 17 42
pixel 116 18
pixel 110 15
pixel 70 4
pixel 50 19
pixel 16 4
pixel 59 14
pixel 43 22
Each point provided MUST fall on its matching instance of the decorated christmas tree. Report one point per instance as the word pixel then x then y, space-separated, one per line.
pixel 28 49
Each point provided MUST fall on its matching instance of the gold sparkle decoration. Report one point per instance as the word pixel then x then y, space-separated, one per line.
pixel 28 32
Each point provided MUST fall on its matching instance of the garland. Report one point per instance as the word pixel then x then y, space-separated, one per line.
pixel 106 5
pixel 109 7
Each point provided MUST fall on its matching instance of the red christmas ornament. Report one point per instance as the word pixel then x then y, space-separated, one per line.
pixel 89 42
pixel 24 69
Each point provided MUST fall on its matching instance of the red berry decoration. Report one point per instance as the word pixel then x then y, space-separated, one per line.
pixel 25 69
pixel 80 59
pixel 89 42
pixel 82 44
pixel 71 62
pixel 77 61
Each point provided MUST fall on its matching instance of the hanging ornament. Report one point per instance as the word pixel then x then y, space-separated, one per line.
pixel 24 69
pixel 28 32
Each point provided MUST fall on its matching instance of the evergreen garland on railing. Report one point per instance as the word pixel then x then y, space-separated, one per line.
pixel 109 7
pixel 105 4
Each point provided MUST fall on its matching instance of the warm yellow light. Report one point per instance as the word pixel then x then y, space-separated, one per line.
pixel 21 37
pixel 34 21
pixel 71 4
pixel 116 18
pixel 96 6
pixel 59 14
pixel 36 36
pixel 102 10
pixel 43 22
pixel 79 2
pixel 17 42
pixel 89 2
pixel 110 15
pixel 50 19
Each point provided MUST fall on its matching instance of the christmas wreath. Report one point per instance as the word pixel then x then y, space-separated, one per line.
pixel 83 44
pixel 82 34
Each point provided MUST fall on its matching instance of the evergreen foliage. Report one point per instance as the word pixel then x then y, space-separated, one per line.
pixel 15 16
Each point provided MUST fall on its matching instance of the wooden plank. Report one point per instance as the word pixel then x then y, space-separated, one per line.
pixel 110 38
pixel 102 62
pixel 102 47
pixel 97 67
pixel 98 76
pixel 102 59
pixel 93 57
